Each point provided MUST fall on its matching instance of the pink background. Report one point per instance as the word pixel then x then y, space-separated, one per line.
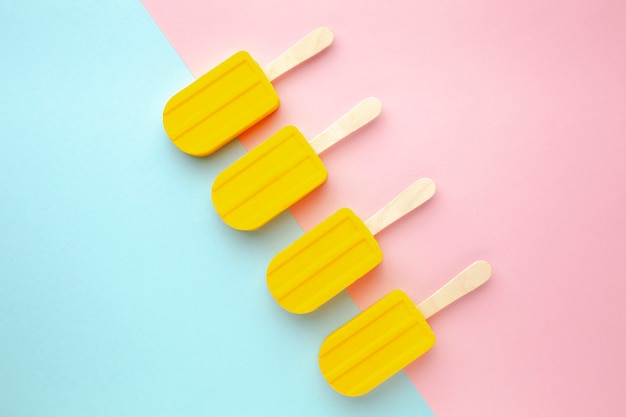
pixel 517 111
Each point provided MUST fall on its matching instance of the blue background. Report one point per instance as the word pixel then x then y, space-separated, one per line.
pixel 121 291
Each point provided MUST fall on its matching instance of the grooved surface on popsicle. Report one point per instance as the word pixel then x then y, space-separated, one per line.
pixel 323 262
pixel 267 180
pixel 374 345
pixel 219 105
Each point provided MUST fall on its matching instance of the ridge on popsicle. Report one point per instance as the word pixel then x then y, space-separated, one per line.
pixel 232 97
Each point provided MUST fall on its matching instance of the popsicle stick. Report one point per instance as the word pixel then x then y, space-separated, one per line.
pixel 305 48
pixel 471 278
pixel 357 117
pixel 412 197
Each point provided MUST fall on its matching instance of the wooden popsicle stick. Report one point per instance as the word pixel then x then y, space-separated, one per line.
pixel 412 197
pixel 468 280
pixel 312 44
pixel 357 117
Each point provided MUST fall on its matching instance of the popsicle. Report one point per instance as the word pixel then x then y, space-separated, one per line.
pixel 389 335
pixel 335 253
pixel 233 96
pixel 280 171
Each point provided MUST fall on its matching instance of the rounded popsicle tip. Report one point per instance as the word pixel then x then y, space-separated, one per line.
pixel 226 202
pixel 371 106
pixel 277 289
pixel 324 36
pixel 481 272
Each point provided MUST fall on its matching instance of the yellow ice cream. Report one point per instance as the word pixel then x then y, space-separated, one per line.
pixel 219 105
pixel 323 262
pixel 267 180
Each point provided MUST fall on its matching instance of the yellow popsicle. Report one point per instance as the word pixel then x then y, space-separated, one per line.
pixel 280 171
pixel 389 335
pixel 334 254
pixel 233 96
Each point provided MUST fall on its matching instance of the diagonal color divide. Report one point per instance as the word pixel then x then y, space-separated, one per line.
pixel 512 110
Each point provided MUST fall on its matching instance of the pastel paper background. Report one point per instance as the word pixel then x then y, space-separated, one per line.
pixel 122 293
pixel 516 110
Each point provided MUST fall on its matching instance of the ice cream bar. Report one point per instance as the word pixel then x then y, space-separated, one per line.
pixel 335 253
pixel 280 171
pixel 232 97
pixel 389 335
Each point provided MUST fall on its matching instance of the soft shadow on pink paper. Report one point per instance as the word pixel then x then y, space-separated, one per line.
pixel 517 112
